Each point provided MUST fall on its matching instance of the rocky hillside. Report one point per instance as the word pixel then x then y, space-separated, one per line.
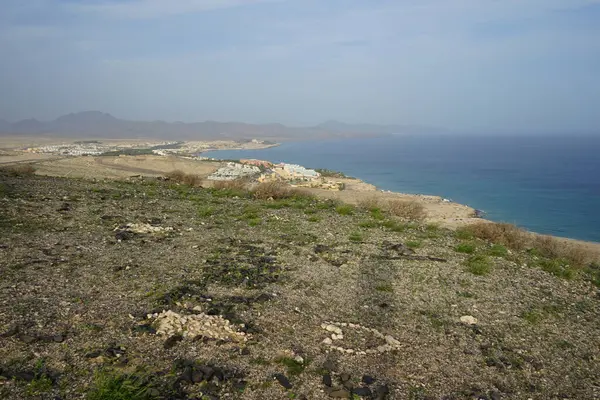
pixel 150 289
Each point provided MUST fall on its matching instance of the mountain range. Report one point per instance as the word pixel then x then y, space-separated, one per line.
pixel 97 124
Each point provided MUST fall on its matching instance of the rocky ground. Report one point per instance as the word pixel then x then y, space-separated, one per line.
pixel 149 289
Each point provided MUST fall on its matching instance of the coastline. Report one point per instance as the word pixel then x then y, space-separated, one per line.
pixel 447 214
pixel 439 211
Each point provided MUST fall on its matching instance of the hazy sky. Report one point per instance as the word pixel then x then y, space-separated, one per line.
pixel 506 64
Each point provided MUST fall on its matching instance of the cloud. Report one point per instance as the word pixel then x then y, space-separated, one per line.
pixel 151 9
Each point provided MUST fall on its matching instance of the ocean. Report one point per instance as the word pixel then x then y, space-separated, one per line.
pixel 548 185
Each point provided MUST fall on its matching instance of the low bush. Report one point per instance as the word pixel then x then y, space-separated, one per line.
pixel 549 247
pixel 466 247
pixel 500 233
pixel 370 203
pixel 181 177
pixel 345 209
pixel 277 191
pixel 21 170
pixel 479 265
pixel 410 210
pixel 497 250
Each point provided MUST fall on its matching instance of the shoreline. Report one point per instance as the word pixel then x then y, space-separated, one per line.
pixel 439 211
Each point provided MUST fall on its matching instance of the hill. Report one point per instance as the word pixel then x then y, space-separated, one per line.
pixel 152 289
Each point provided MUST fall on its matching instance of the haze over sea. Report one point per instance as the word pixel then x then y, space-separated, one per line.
pixel 549 185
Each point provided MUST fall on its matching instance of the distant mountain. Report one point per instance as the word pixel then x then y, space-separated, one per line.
pixel 96 124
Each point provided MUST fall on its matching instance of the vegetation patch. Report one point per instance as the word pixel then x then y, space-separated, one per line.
pixel 356 237
pixel 242 264
pixel 109 385
pixel 294 366
pixel 409 210
pixel 466 247
pixel 344 209
pixel 497 250
pixel 479 265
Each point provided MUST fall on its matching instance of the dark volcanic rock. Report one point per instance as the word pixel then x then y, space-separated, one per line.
pixel 362 391
pixel 327 380
pixel 283 381
pixel 368 380
pixel 172 341
pixel 340 394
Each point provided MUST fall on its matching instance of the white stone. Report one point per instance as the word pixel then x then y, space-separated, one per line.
pixel 468 319
pixel 327 341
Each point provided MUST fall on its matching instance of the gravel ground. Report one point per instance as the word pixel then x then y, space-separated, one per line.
pixel 77 284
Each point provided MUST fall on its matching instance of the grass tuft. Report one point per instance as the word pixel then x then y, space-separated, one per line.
pixel 111 386
pixel 465 247
pixel 345 209
pixel 479 265
pixel 497 250
pixel 293 367
pixel 356 237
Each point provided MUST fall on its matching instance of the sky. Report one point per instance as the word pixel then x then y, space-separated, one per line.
pixel 513 65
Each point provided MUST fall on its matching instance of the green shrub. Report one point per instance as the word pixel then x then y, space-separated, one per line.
pixel 414 244
pixel 205 211
pixel 294 367
pixel 368 224
pixel 557 267
pixel 497 250
pixel 385 287
pixel 479 265
pixel 111 386
pixel 356 237
pixel 465 247
pixel 345 209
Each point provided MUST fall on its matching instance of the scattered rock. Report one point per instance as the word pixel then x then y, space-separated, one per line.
pixel 283 381
pixel 64 207
pixel 362 391
pixel 327 380
pixel 495 395
pixel 368 380
pixel 28 339
pixel 345 377
pixel 340 394
pixel 468 320
pixel 381 392
pixel 172 341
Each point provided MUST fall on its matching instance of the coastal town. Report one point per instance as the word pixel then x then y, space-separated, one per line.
pixel 161 148
pixel 265 171
pixel 251 169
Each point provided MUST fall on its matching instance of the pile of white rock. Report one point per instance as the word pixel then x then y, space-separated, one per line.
pixel 336 333
pixel 169 323
pixel 143 228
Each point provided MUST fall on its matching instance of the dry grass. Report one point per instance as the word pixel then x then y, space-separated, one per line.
pixel 182 177
pixel 410 210
pixel 21 170
pixel 552 247
pixel 547 246
pixel 276 191
pixel 370 203
pixel 507 235
pixel 236 184
pixel 406 209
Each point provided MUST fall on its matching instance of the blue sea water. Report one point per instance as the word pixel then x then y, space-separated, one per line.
pixel 545 184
